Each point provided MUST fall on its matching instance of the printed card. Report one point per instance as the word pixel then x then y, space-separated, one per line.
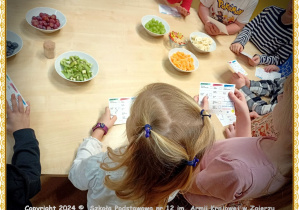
pixel 236 67
pixel 260 73
pixel 12 89
pixel 246 54
pixel 219 101
pixel 168 10
pixel 219 25
pixel 226 119
pixel 121 108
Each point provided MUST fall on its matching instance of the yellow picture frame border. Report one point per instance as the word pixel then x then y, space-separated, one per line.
pixel 3 102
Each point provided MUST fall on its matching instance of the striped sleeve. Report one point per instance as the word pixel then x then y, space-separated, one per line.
pixel 255 103
pixel 246 32
pixel 279 58
pixel 269 88
pixel 271 37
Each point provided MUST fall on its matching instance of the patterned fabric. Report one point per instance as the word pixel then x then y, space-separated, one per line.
pixel 270 88
pixel 286 68
pixel 263 126
pixel 269 35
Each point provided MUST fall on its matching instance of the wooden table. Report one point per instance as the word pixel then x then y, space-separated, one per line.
pixel 63 112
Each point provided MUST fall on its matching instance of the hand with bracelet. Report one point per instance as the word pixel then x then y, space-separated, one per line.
pixel 104 123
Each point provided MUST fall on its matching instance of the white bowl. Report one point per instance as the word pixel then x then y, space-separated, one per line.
pixel 49 11
pixel 13 37
pixel 195 60
pixel 147 18
pixel 200 34
pixel 82 55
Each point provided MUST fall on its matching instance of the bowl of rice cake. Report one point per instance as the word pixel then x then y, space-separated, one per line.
pixel 202 42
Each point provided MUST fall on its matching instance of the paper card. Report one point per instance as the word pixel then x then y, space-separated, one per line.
pixel 226 119
pixel 12 89
pixel 236 67
pixel 260 73
pixel 219 102
pixel 219 25
pixel 168 10
pixel 121 108
pixel 246 54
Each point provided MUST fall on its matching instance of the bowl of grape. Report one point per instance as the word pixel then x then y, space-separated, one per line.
pixel 45 19
pixel 155 25
pixel 76 66
pixel 14 43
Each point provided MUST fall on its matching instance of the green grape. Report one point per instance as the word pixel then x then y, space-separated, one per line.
pixel 155 26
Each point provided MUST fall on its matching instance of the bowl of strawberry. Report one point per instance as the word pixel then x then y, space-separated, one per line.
pixel 46 19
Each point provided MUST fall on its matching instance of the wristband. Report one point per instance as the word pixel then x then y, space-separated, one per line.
pixel 102 126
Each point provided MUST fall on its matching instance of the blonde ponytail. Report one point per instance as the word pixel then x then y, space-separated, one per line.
pixel 155 165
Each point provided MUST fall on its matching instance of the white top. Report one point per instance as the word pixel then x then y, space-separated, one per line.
pixel 228 11
pixel 86 174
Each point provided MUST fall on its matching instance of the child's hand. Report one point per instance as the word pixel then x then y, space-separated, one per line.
pixel 230 131
pixel 107 120
pixel 240 80
pixel 240 102
pixel 182 11
pixel 17 118
pixel 253 115
pixel 204 103
pixel 211 29
pixel 254 61
pixel 236 48
pixel 271 68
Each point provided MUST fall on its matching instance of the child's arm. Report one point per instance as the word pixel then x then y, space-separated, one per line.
pixel 23 175
pixel 255 103
pixel 243 122
pixel 86 163
pixel 184 8
pixel 279 58
pixel 245 34
pixel 267 87
pixel 107 120
pixel 203 13
pixel 82 170
pixel 234 27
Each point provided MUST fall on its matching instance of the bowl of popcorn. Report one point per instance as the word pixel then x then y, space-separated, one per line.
pixel 202 42
pixel 176 39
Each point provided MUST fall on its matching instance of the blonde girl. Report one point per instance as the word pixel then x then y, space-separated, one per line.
pixel 258 169
pixel 167 133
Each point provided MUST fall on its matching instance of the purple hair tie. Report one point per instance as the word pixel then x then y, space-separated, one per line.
pixel 148 129
pixel 202 114
pixel 193 162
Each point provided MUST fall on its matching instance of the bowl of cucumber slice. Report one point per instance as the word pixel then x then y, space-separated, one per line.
pixel 76 66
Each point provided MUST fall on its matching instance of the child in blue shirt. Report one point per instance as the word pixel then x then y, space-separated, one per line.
pixel 285 69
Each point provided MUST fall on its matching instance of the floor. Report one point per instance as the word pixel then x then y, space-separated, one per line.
pixel 59 192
